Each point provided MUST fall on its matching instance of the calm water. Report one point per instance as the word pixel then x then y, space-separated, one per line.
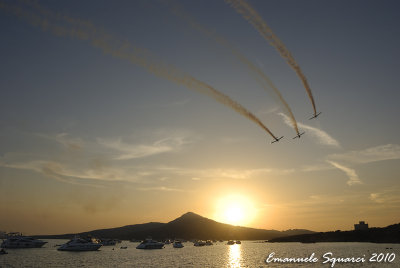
pixel 248 254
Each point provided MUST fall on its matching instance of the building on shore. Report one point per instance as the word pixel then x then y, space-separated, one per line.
pixel 361 226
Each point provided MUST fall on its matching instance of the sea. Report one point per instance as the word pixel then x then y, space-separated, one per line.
pixel 247 254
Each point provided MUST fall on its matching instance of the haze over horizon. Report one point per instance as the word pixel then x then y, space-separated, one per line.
pixel 94 138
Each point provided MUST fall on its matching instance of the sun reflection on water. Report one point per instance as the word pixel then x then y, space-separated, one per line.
pixel 235 255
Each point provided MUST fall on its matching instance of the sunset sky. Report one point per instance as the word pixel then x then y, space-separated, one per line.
pixel 89 139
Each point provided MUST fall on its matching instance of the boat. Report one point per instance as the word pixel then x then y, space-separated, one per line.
pixel 79 244
pixel 177 244
pixel 20 241
pixel 199 243
pixel 2 252
pixel 150 244
pixel 230 242
pixel 209 243
pixel 238 242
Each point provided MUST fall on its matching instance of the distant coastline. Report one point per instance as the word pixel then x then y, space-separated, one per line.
pixel 389 234
pixel 189 226
pixel 192 226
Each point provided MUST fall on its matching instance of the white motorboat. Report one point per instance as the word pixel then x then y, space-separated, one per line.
pixel 19 241
pixel 178 244
pixel 79 244
pixel 150 244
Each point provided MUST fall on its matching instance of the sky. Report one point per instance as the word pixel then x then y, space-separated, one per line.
pixel 107 117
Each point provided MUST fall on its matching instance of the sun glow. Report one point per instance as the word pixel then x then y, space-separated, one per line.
pixel 235 209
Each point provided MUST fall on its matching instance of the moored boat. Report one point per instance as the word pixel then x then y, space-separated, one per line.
pixel 79 244
pixel 177 244
pixel 199 243
pixel 19 241
pixel 150 244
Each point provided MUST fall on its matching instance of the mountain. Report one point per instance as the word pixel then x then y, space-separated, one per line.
pixel 188 226
pixel 389 234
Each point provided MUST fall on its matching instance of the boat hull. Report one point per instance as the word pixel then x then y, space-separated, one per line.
pixel 23 245
pixel 87 248
pixel 150 247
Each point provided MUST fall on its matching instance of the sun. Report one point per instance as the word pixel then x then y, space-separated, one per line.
pixel 235 210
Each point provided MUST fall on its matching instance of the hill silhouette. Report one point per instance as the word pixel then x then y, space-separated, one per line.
pixel 389 234
pixel 188 226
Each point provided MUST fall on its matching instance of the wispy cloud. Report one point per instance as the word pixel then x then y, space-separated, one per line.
pixel 101 159
pixel 270 110
pixel 124 150
pixel 161 188
pixel 373 154
pixel 316 167
pixel 321 136
pixel 65 139
pixel 387 197
pixel 376 197
pixel 66 172
pixel 351 173
pixel 223 173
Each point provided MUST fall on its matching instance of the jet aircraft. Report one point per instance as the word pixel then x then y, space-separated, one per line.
pixel 276 140
pixel 298 135
pixel 314 116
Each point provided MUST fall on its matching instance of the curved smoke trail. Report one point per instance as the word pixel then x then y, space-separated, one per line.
pixel 84 30
pixel 251 15
pixel 180 12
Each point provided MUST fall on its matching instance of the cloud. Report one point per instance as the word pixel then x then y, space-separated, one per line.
pixel 316 167
pixel 376 197
pixel 387 196
pixel 270 110
pixel 351 173
pixel 239 174
pixel 161 188
pixel 373 154
pixel 322 137
pixel 66 140
pixel 124 151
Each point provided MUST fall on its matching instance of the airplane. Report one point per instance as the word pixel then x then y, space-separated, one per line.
pixel 298 135
pixel 276 140
pixel 314 116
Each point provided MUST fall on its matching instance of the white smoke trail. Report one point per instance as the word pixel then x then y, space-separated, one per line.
pixel 351 173
pixel 322 137
pixel 180 12
pixel 83 30
pixel 252 16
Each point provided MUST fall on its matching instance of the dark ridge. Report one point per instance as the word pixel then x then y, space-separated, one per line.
pixel 389 234
pixel 188 226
